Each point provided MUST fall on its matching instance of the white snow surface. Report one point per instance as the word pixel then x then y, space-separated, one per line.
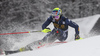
pixel 86 47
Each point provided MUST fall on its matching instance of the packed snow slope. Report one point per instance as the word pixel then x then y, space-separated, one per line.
pixel 86 47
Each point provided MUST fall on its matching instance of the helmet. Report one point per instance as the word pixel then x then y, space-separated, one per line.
pixel 56 13
pixel 58 10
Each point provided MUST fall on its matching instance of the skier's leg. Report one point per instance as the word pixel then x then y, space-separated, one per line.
pixel 63 36
pixel 35 44
pixel 50 37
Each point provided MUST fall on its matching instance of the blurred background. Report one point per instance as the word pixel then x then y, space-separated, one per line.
pixel 27 15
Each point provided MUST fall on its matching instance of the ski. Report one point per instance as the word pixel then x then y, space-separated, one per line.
pixel 10 52
pixel 79 39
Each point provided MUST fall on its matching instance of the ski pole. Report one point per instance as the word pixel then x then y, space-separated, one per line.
pixel 19 32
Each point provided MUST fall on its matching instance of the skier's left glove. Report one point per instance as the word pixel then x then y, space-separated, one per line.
pixel 46 30
pixel 77 36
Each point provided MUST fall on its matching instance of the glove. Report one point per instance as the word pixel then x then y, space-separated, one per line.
pixel 77 37
pixel 46 30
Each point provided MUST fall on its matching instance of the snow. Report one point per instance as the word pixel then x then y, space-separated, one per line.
pixel 86 47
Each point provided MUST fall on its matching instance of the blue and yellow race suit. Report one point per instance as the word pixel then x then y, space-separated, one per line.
pixel 62 26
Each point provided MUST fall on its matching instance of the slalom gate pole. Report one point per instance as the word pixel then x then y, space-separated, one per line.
pixel 19 32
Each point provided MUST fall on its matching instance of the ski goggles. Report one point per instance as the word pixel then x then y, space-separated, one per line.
pixel 55 15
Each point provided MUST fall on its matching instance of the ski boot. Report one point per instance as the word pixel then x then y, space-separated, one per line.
pixel 77 37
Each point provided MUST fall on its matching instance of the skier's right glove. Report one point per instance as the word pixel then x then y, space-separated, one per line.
pixel 46 30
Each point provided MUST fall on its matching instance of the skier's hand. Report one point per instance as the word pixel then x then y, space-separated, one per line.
pixel 46 30
pixel 77 36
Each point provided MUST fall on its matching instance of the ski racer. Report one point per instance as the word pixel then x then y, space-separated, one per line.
pixel 61 24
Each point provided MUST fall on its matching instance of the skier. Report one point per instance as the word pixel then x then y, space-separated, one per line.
pixel 60 26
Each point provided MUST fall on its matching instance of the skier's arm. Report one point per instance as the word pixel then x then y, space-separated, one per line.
pixel 74 25
pixel 47 22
